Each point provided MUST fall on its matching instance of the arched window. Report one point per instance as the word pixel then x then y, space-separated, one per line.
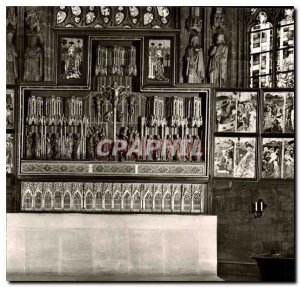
pixel 67 201
pixel 38 200
pixel 47 201
pixel 98 204
pixel 89 201
pixel 57 200
pixel 77 201
pixel 272 49
pixel 28 201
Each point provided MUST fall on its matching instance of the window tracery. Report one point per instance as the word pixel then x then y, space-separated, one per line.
pixel 272 49
pixel 118 17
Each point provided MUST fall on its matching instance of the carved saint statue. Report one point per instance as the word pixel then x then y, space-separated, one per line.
pixel 69 146
pixel 34 64
pixel 218 62
pixel 57 147
pixel 49 151
pixel 195 70
pixel 37 147
pixel 77 141
pixel 11 57
pixel 29 146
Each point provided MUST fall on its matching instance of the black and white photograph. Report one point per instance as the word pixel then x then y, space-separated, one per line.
pixel 150 143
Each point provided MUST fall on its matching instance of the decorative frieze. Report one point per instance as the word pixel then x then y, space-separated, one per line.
pixel 94 168
pixel 113 197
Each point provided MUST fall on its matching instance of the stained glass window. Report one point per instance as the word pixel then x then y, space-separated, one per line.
pixel 261 45
pixel 272 51
pixel 285 52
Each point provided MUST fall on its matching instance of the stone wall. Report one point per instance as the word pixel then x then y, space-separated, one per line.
pixel 240 235
pixel 110 245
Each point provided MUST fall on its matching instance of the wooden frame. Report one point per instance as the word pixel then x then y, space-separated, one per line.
pixel 280 153
pixel 167 78
pixel 72 59
pixel 92 169
pixel 248 130
pixel 274 92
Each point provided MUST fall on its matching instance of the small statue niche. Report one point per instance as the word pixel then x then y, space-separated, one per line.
pixel 34 62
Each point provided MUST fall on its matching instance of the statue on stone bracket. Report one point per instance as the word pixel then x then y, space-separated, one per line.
pixel 194 64
pixel 195 71
pixel 219 52
pixel 34 62
pixel 218 62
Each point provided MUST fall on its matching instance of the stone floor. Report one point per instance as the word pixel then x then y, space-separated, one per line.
pixel 185 278
pixel 211 278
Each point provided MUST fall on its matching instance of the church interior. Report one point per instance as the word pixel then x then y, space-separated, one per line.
pixel 148 143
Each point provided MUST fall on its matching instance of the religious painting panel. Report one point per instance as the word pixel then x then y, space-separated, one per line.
pixel 72 60
pixel 10 109
pixel 236 111
pixel 158 62
pixel 278 158
pixel 278 112
pixel 235 157
pixel 10 153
